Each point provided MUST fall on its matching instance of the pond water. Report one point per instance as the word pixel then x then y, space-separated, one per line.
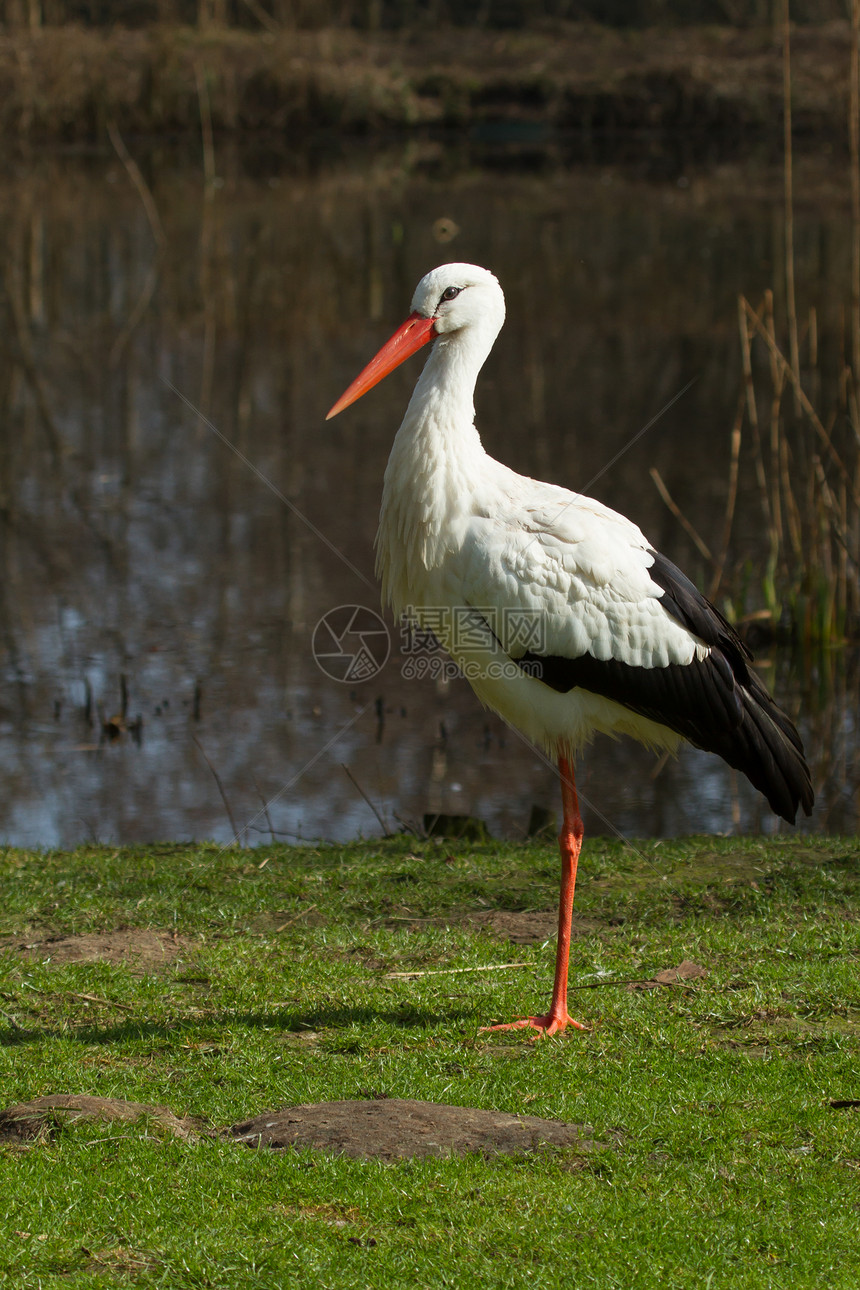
pixel 177 516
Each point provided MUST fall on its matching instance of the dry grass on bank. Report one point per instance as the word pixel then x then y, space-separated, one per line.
pixel 65 84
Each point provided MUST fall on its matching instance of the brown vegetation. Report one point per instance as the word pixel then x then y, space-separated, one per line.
pixel 68 83
pixel 372 15
pixel 807 462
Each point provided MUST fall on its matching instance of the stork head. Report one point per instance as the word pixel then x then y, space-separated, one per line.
pixel 457 296
pixel 451 299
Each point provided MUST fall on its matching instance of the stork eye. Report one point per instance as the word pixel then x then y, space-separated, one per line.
pixel 450 293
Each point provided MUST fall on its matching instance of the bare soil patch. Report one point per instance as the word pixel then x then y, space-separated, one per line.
pixel 399 1128
pixel 387 1129
pixel 530 927
pixel 142 949
pixel 44 1117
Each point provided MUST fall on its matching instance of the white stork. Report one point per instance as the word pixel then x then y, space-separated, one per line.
pixel 575 624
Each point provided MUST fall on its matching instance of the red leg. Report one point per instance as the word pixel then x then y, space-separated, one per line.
pixel 569 842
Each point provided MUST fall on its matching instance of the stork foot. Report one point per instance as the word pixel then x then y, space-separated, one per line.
pixel 549 1024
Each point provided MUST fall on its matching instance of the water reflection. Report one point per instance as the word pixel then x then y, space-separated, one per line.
pixel 159 599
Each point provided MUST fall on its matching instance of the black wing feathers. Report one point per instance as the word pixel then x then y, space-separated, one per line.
pixel 718 703
pixel 683 601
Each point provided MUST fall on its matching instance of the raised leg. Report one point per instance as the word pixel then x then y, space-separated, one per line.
pixel 569 842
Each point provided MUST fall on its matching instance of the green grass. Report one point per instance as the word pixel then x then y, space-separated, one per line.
pixel 724 1165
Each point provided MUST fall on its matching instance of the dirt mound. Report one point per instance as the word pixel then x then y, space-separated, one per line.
pixel 388 1129
pixel 44 1117
pixel 395 1128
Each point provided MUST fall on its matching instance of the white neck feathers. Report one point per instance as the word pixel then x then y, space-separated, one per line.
pixel 436 461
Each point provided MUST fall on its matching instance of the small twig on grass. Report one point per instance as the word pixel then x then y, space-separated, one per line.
pixel 405 918
pixel 626 980
pixel 94 998
pixel 296 917
pixel 500 967
pixel 493 967
pixel 119 1137
pixel 87 998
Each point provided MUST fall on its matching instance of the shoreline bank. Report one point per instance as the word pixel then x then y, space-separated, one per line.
pixel 68 84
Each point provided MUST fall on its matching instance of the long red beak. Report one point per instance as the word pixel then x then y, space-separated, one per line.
pixel 414 333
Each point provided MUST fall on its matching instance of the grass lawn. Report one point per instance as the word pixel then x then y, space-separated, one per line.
pixel 722 1163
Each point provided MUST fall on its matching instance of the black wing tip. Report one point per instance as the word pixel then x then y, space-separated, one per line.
pixel 716 702
pixel 719 708
pixel 767 748
pixel 770 753
pixel 789 812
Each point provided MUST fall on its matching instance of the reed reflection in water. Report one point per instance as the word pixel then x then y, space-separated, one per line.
pixel 159 599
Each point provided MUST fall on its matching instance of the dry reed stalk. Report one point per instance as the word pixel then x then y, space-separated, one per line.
pixel 36 267
pixel 812 337
pixel 217 779
pixel 265 809
pixel 854 149
pixel 854 532
pixel 156 228
pixel 207 374
pixel 845 576
pixel 211 13
pixel 752 406
pixel 264 19
pixel 807 407
pixel 824 551
pixel 144 192
pixel 843 580
pixel 851 404
pixel 794 349
pixel 386 832
pixel 793 518
pixel 777 378
pixel 736 802
pixel 16 298
pixel 814 374
pixel 205 108
pixel 700 544
pixel 812 520
pixel 728 518
pixel 141 305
